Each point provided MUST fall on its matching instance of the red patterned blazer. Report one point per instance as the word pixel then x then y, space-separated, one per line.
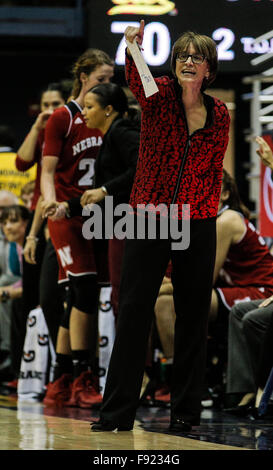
pixel 173 167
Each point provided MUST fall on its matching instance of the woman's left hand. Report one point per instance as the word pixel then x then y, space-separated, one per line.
pixel 54 210
pixel 91 196
pixel 30 250
pixel 48 208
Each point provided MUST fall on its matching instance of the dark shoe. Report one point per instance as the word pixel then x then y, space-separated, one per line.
pixel 253 413
pixel 101 426
pixel 241 410
pixel 230 400
pixel 179 425
pixel 5 370
pixel 155 395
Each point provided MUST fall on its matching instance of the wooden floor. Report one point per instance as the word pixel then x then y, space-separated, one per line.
pixel 31 426
pixel 31 431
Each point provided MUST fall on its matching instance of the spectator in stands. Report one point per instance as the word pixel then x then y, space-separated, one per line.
pixel 14 221
pixel 68 168
pixel 8 276
pixel 7 198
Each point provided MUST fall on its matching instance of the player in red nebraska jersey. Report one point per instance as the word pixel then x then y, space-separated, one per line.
pixel 250 340
pixel 76 147
pixel 39 254
pixel 244 265
pixel 68 167
pixel 30 153
pixel 243 269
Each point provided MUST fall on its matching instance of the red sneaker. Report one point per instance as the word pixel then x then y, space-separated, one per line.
pixel 12 384
pixel 84 391
pixel 163 394
pixel 58 392
pixel 90 397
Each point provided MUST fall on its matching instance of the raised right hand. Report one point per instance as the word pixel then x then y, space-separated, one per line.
pixel 132 33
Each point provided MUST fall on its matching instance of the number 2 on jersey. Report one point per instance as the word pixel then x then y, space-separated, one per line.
pixel 88 165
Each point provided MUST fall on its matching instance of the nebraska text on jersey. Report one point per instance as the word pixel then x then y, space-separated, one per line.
pixel 86 144
pixel 76 147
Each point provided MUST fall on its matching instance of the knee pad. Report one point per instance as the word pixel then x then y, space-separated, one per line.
pixel 85 293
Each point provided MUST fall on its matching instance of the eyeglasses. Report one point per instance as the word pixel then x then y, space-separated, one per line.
pixel 196 58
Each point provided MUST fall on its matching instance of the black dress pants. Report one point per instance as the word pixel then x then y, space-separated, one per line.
pixel 144 265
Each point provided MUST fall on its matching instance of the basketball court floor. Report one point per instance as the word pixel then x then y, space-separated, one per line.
pixel 32 426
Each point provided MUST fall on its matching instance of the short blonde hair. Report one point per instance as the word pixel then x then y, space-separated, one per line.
pixel 203 45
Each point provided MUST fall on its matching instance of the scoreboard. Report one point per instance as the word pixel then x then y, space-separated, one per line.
pixel 233 24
